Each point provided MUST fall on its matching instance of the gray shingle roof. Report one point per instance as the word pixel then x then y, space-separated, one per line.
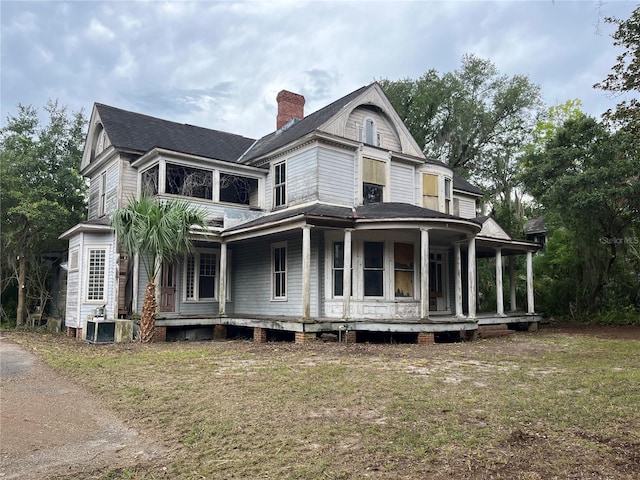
pixel 461 183
pixel 373 211
pixel 299 129
pixel 138 132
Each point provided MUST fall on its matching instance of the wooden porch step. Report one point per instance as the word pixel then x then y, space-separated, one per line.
pixel 494 331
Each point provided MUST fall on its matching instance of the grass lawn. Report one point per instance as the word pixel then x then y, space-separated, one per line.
pixel 551 404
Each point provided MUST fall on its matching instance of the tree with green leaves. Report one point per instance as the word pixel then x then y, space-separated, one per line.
pixel 585 178
pixel 157 231
pixel 625 74
pixel 466 117
pixel 475 120
pixel 41 195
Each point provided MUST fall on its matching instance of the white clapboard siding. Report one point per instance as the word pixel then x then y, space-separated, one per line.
pixel 111 194
pixel 128 184
pixel 94 198
pixel 71 318
pixel 402 178
pixel 390 140
pixel 336 173
pixel 251 277
pixel 302 174
pixel 98 241
pixel 466 207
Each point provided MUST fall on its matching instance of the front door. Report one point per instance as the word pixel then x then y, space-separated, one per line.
pixel 168 288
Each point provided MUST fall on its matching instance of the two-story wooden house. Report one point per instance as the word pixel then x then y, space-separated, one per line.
pixel 335 222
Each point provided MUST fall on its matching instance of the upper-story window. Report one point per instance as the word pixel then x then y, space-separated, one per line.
pixel 189 181
pixel 368 133
pixel 102 206
pixel 430 191
pixel 280 184
pixel 237 189
pixel 447 195
pixel 100 144
pixel 374 179
pixel 150 181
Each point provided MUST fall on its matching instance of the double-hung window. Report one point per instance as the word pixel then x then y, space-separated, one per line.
pixel 200 276
pixel 280 184
pixel 373 269
pixel 338 270
pixel 447 195
pixel 403 269
pixel 102 207
pixel 96 274
pixel 279 271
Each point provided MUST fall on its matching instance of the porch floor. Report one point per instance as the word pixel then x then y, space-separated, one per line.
pixel 436 322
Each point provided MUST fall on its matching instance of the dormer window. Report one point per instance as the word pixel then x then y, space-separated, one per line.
pixel 101 141
pixel 368 133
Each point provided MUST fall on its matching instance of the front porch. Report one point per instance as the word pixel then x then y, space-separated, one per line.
pixel 304 330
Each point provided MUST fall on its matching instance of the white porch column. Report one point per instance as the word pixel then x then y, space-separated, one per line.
pixel 424 274
pixel 222 289
pixel 499 286
pixel 458 278
pixel 306 271
pixel 530 306
pixel 136 285
pixel 157 282
pixel 346 275
pixel 512 283
pixel 471 280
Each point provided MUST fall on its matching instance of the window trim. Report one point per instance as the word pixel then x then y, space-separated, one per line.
pixel 102 197
pixel 335 269
pixel 87 275
pixel 74 259
pixel 412 270
pixel 281 186
pixel 284 272
pixel 196 280
pixel 382 269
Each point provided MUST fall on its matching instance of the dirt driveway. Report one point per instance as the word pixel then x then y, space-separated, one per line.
pixel 49 426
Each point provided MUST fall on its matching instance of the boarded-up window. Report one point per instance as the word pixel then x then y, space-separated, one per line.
pixel 374 179
pixel 403 265
pixel 430 191
pixel 374 171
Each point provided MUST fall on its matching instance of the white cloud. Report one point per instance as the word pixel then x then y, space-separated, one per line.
pixel 98 31
pixel 221 63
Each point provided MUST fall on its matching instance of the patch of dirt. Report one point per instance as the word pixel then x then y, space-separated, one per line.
pixel 50 426
pixel 609 332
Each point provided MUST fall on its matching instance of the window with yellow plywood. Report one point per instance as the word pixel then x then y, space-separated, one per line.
pixel 430 191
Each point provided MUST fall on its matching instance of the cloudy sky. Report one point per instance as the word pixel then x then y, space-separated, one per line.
pixel 220 64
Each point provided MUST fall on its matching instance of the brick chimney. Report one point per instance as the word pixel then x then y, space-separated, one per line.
pixel 290 106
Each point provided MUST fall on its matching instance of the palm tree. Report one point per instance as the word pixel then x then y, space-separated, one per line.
pixel 158 231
